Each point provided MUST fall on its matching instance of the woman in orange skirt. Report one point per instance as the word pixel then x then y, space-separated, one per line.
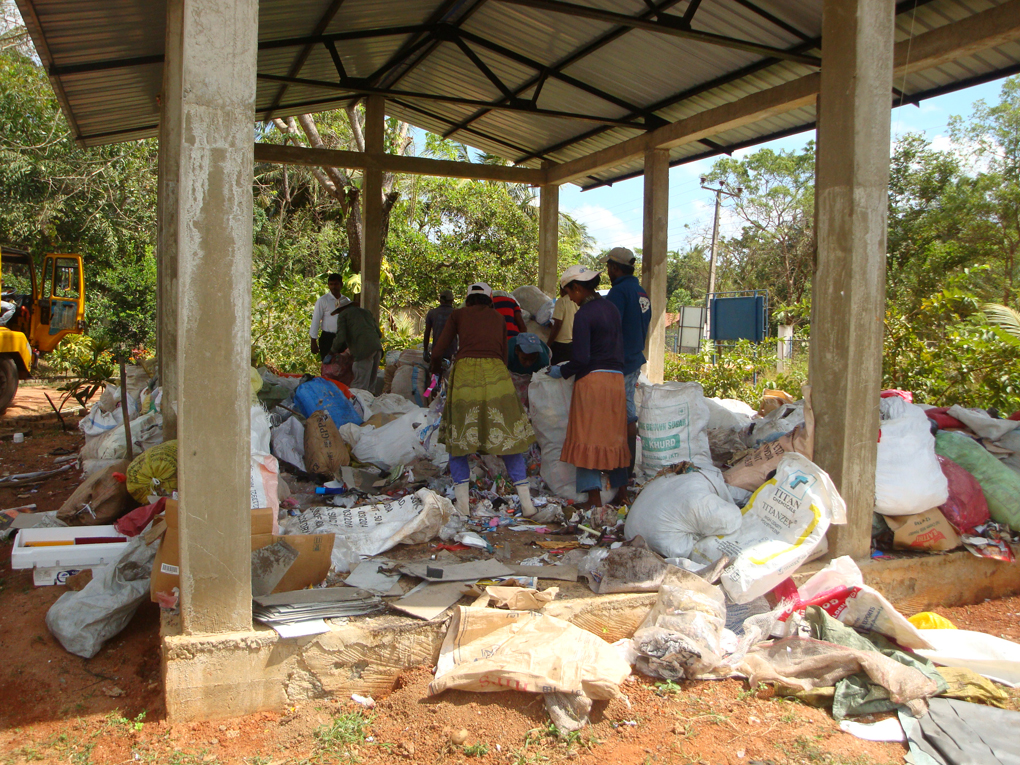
pixel 596 438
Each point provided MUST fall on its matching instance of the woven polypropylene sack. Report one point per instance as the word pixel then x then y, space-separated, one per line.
pixel 153 472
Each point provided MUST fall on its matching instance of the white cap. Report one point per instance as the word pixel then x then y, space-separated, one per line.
pixel 621 255
pixel 578 273
pixel 480 288
pixel 341 302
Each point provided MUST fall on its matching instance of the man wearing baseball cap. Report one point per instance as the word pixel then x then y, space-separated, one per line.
pixel 635 309
pixel 526 354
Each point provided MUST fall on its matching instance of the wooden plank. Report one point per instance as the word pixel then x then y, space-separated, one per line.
pixel 394 163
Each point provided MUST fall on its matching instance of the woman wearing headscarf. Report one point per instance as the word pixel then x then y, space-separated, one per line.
pixel 596 437
pixel 482 414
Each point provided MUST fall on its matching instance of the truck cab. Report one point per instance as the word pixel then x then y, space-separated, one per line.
pixel 36 312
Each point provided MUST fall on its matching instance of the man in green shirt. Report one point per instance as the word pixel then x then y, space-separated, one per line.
pixel 358 331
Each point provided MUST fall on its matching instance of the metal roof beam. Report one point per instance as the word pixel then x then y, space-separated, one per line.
pixel 60 70
pixel 692 8
pixel 302 56
pixel 483 68
pixel 474 131
pixel 360 88
pixel 395 163
pixel 404 55
pixel 357 34
pixel 544 70
pixel 773 19
pixel 988 29
pixel 902 7
pixel 573 58
pixel 668 25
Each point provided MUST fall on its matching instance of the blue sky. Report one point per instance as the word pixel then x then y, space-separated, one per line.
pixel 613 214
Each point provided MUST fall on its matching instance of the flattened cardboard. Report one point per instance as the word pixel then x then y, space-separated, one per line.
pixel 429 601
pixel 457 572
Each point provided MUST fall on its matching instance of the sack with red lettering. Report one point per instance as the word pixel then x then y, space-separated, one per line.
pixel 840 591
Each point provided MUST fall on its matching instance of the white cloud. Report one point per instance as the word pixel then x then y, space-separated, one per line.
pixel 607 227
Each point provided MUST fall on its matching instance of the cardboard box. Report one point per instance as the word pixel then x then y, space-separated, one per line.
pixel 166 572
pixel 313 561
pixel 924 531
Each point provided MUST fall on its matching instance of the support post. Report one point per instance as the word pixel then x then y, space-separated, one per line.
pixel 653 257
pixel 848 301
pixel 371 199
pixel 212 118
pixel 549 239
pixel 166 221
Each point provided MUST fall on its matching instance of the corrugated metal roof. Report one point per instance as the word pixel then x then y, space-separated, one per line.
pixel 104 57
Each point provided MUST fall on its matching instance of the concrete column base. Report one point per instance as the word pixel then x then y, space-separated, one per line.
pixel 238 673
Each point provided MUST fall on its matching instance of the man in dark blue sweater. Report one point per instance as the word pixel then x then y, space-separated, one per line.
pixel 635 309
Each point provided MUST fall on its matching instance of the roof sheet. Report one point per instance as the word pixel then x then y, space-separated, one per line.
pixel 105 60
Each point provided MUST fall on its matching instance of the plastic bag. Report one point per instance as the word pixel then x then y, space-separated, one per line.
pixel 775 424
pixel 153 472
pixel 840 590
pixel 983 423
pixel 532 300
pixel 395 443
pixel 321 394
pixel 682 634
pixel 374 529
pixel 549 410
pixel 265 481
pixel 784 521
pixel 1001 486
pixel 261 430
pixel 675 511
pixel 99 421
pixel 288 442
pixel 672 423
pixel 908 479
pixel 728 414
pixel 966 506
pixel 146 432
pixel 83 621
pixel 625 569
pixel 929 620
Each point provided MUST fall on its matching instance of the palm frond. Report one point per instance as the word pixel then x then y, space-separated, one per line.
pixel 1005 318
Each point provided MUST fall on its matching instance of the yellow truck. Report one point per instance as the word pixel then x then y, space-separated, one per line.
pixel 35 315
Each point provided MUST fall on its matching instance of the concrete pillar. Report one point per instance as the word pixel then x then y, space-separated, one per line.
pixel 549 240
pixel 653 257
pixel 212 123
pixel 371 199
pixel 848 300
pixel 166 221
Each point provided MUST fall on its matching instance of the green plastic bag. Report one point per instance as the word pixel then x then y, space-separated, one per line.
pixel 1000 484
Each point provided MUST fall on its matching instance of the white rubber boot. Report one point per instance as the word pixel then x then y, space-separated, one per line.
pixel 524 492
pixel 463 492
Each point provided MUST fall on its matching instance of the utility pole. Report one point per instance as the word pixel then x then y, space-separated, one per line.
pixel 719 192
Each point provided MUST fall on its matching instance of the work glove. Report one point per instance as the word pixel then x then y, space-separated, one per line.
pixel 555 372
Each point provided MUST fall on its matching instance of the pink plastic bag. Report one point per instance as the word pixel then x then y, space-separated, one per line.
pixel 906 395
pixel 966 506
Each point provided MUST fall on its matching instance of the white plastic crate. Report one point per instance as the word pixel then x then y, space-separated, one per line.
pixel 65 556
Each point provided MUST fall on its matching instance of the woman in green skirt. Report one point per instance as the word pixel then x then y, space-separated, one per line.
pixel 483 414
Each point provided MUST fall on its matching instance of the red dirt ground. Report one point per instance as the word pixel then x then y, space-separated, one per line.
pixel 58 708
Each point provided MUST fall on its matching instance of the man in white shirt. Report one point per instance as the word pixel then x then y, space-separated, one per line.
pixel 323 328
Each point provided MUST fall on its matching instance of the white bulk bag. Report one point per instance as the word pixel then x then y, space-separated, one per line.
pixel 908 479
pixel 672 423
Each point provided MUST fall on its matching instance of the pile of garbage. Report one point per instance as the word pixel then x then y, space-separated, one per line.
pixel 352 514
